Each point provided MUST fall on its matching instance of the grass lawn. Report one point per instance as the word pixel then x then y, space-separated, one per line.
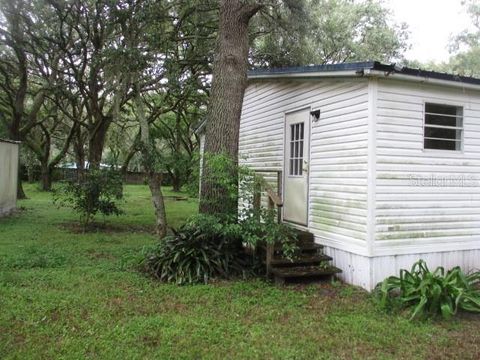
pixel 74 296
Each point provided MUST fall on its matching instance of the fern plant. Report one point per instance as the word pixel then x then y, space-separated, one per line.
pixel 199 251
pixel 431 293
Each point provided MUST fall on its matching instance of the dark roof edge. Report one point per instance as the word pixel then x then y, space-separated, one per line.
pixel 360 67
pixel 353 66
pixel 9 141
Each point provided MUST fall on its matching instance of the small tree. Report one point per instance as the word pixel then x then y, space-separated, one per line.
pixel 98 191
pixel 212 246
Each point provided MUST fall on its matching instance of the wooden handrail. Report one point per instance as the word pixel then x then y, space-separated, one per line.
pixel 274 197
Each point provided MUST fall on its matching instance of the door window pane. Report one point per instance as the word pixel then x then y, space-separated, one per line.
pixel 296 149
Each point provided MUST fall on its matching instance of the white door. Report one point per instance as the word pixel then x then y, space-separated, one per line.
pixel 296 150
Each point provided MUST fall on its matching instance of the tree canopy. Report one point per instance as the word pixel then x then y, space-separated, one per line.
pixel 327 31
pixel 84 81
pixel 464 48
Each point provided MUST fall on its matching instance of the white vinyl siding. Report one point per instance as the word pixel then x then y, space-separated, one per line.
pixel 425 198
pixel 378 199
pixel 338 158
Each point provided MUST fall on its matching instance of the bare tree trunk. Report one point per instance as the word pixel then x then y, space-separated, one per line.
pixel 176 182
pixel 79 153
pixel 46 176
pixel 30 174
pixel 155 185
pixel 20 193
pixel 154 179
pixel 15 135
pixel 228 87
pixel 131 153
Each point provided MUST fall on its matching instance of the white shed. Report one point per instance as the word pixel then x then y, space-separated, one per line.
pixel 380 163
pixel 8 176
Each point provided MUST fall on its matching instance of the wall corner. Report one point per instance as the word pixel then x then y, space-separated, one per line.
pixel 371 164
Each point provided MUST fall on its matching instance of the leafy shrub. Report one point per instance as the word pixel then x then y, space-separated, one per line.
pixel 260 225
pixel 197 252
pixel 253 225
pixel 257 226
pixel 431 293
pixel 97 191
pixel 223 176
pixel 205 248
pixel 213 246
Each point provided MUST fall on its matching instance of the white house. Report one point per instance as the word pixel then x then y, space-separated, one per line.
pixel 380 163
pixel 8 176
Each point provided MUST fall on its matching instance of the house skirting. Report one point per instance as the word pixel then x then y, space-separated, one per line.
pixel 5 211
pixel 367 272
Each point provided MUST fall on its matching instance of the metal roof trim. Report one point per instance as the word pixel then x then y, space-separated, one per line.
pixel 357 68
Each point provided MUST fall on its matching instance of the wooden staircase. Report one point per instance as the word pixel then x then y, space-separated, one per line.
pixel 309 264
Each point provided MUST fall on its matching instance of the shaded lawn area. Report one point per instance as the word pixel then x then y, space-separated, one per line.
pixel 73 296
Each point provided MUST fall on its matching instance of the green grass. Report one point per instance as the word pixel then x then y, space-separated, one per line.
pixel 74 296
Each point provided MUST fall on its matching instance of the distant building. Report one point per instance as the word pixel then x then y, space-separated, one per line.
pixel 9 152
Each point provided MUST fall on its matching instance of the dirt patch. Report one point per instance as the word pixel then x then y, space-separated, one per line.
pixel 99 255
pixel 175 198
pixel 19 339
pixel 462 340
pixel 14 213
pixel 151 340
pixel 96 227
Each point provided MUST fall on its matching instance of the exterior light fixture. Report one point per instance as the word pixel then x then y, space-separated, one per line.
pixel 315 114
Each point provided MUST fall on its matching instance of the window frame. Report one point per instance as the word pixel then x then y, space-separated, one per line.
pixel 296 161
pixel 461 129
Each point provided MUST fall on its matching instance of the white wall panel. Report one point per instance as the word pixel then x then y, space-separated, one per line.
pixel 339 140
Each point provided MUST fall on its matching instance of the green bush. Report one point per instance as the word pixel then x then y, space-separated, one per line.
pixel 207 247
pixel 431 293
pixel 210 246
pixel 257 226
pixel 197 252
pixel 97 191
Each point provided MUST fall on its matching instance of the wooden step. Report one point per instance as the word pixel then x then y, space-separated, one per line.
pixel 304 237
pixel 311 248
pixel 281 274
pixel 305 260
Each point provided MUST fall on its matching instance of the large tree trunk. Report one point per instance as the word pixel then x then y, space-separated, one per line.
pixel 96 143
pixel 228 87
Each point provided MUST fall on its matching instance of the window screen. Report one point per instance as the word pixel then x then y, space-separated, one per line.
pixel 443 127
pixel 296 149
